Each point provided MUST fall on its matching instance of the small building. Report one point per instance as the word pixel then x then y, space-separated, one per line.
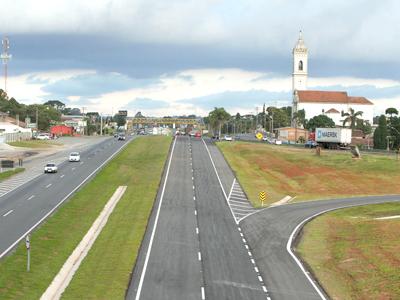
pixel 61 130
pixel 292 134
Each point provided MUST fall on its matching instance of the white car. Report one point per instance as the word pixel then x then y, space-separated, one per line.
pixel 74 156
pixel 43 136
pixel 228 138
pixel 50 168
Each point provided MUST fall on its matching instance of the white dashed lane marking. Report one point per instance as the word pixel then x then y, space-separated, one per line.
pixel 49 185
pixel 61 176
pixel 30 197
pixel 7 213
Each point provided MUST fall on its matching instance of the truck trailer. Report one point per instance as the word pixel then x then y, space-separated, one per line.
pixel 333 138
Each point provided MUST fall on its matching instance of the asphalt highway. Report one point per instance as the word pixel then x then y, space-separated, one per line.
pixel 193 248
pixel 25 207
pixel 268 233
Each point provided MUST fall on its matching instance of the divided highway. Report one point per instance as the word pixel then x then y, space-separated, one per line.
pixel 25 207
pixel 193 248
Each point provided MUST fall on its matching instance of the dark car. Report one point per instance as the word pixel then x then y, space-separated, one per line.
pixel 121 137
pixel 311 144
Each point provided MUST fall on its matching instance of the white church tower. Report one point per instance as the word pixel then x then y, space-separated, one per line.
pixel 300 71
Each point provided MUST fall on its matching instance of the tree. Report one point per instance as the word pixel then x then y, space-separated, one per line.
pixel 58 105
pixel 218 117
pixel 321 121
pixel 121 120
pixel 364 126
pixel 351 117
pixel 300 118
pixel 391 111
pixel 381 133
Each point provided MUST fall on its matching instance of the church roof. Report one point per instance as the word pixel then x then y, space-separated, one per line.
pixel 330 97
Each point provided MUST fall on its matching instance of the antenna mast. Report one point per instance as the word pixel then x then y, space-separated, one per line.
pixel 5 57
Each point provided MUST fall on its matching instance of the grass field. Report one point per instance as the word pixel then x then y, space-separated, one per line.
pixel 105 272
pixel 35 144
pixel 9 173
pixel 354 255
pixel 299 173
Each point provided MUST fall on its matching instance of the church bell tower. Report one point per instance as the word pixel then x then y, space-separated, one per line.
pixel 300 71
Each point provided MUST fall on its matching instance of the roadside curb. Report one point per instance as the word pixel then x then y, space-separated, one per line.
pixel 65 275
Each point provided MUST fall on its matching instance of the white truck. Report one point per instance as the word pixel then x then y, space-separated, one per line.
pixel 333 138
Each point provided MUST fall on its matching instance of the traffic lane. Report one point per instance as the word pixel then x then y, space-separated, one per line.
pixel 268 233
pixel 173 270
pixel 48 190
pixel 228 271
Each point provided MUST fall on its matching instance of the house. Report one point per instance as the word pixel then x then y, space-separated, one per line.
pixel 292 134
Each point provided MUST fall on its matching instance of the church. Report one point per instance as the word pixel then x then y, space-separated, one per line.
pixel 329 103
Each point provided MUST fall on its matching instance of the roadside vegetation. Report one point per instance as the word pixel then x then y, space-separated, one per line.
pixel 354 254
pixel 106 270
pixel 7 174
pixel 298 172
pixel 35 144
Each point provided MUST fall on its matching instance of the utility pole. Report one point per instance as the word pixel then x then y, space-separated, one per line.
pixel 101 124
pixel 256 117
pixel 37 119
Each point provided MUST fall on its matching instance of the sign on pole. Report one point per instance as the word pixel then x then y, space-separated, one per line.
pixel 28 248
pixel 262 196
pixel 259 136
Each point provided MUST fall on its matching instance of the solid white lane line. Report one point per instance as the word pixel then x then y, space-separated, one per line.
pixel 146 261
pixel 61 176
pixel 49 185
pixel 7 213
pixel 199 256
pixel 31 197
pixel 203 294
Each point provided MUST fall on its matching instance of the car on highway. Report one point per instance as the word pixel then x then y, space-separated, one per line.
pixel 74 156
pixel 50 168
pixel 228 138
pixel 121 137
pixel 310 144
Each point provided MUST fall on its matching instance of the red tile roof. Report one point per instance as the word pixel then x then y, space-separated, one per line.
pixel 333 111
pixel 330 97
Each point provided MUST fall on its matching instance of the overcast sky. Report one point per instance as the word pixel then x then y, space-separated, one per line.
pixel 186 57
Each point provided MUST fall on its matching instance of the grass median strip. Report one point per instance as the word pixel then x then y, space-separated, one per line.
pixel 355 252
pixel 281 171
pixel 105 272
pixel 9 173
pixel 35 144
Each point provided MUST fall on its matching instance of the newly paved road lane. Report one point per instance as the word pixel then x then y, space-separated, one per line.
pixel 26 206
pixel 173 270
pixel 197 251
pixel 268 232
pixel 228 270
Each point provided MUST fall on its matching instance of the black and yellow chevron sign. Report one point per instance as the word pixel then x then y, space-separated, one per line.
pixel 262 196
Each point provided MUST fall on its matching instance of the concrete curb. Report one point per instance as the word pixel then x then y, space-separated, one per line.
pixel 64 277
pixel 284 200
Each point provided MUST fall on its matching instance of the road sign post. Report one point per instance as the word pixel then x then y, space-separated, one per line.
pixel 28 248
pixel 262 195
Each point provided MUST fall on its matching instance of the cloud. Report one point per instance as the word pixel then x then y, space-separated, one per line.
pixel 146 103
pixel 94 85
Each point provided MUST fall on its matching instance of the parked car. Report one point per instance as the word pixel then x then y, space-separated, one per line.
pixel 43 136
pixel 197 134
pixel 310 144
pixel 74 156
pixel 50 168
pixel 228 138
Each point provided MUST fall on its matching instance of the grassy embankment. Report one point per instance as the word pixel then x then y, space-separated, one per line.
pixel 354 255
pixel 35 144
pixel 299 173
pixel 106 270
pixel 9 173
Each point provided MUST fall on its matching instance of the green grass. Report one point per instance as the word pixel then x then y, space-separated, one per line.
pixel 353 255
pixel 299 173
pixel 35 144
pixel 9 173
pixel 105 272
